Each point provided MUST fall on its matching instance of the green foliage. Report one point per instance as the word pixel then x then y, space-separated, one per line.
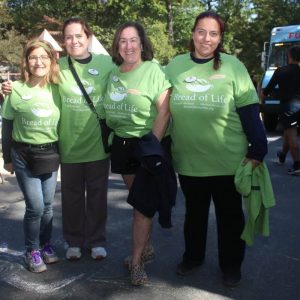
pixel 105 36
pixel 163 50
pixel 6 22
pixel 11 47
pixel 248 22
pixel 184 17
pixel 10 40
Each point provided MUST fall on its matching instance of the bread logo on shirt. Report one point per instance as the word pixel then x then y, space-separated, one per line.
pixel 194 84
pixel 119 94
pixel 41 110
pixel 86 85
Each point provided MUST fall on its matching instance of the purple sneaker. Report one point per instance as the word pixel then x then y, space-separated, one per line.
pixel 49 255
pixel 35 262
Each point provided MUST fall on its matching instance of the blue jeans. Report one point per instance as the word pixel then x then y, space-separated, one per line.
pixel 38 193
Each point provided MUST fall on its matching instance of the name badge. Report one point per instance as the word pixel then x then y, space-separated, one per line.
pixel 115 78
pixel 93 72
pixel 26 97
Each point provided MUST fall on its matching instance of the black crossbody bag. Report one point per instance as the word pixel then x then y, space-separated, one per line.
pixel 105 130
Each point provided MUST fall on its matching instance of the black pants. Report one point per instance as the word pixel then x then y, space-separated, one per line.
pixel 198 192
pixel 84 203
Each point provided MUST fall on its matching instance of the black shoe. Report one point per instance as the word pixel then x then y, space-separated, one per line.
pixel 186 267
pixel 295 170
pixel 232 278
pixel 281 157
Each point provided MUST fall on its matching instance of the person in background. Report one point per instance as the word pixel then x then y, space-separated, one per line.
pixel 288 80
pixel 84 163
pixel 30 126
pixel 215 125
pixel 136 104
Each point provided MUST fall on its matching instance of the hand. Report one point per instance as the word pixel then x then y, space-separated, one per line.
pixel 9 167
pixel 6 87
pixel 254 162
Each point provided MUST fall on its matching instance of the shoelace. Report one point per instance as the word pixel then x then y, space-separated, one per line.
pixel 36 256
pixel 47 248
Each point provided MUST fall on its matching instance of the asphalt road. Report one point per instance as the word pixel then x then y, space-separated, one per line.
pixel 271 269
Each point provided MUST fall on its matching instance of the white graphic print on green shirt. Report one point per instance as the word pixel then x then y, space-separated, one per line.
pixel 207 136
pixel 130 100
pixel 34 112
pixel 80 137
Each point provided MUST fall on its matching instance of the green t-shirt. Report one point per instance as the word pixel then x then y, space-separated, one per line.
pixel 130 99
pixel 207 135
pixel 79 131
pixel 34 111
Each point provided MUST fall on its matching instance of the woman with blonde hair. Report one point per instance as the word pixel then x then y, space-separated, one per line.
pixel 29 143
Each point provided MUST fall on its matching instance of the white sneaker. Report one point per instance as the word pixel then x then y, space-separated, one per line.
pixel 98 253
pixel 73 253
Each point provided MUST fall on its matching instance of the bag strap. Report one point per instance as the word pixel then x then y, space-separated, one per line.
pixel 79 83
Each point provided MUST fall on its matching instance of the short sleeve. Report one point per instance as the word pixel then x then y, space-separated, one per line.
pixel 244 90
pixel 160 82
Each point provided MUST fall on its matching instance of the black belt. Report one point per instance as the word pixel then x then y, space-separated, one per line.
pixel 120 141
pixel 40 146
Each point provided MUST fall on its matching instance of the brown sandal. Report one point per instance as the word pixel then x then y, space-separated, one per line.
pixel 147 256
pixel 138 274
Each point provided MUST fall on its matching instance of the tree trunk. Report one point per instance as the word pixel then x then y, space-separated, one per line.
pixel 170 21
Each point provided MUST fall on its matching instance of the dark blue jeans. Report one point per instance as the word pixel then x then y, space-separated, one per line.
pixel 38 193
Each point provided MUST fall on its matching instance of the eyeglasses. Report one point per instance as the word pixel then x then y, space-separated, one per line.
pixel 42 58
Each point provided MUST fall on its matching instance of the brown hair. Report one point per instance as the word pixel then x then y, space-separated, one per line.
pixel 53 75
pixel 147 52
pixel 219 20
pixel 87 30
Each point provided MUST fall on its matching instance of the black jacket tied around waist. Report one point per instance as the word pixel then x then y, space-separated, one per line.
pixel 155 186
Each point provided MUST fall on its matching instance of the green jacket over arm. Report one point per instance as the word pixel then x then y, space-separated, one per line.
pixel 256 189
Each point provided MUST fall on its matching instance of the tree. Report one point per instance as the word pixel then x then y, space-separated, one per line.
pixel 11 48
pixel 10 40
pixel 167 22
pixel 209 4
pixel 170 20
pixel 184 14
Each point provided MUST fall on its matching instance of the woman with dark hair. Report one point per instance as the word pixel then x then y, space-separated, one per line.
pixel 136 104
pixel 30 121
pixel 147 51
pixel 84 163
pixel 215 125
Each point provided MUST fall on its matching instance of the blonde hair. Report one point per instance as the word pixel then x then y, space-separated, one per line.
pixel 53 74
